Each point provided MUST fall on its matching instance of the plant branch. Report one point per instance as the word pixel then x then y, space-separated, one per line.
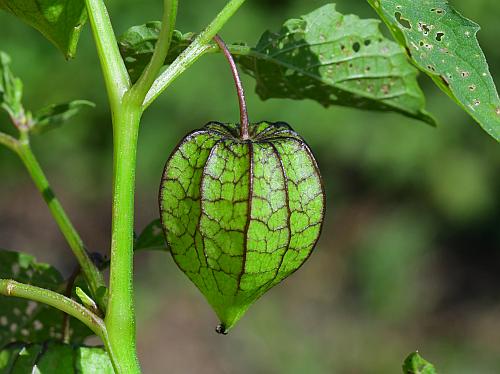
pixel 192 53
pixel 12 288
pixel 115 73
pixel 9 141
pixel 160 53
pixel 91 272
pixel 239 87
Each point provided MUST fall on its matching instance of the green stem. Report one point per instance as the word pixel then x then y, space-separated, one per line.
pixel 160 53
pixel 15 289
pixel 120 317
pixel 91 272
pixel 9 141
pixel 192 53
pixel 115 73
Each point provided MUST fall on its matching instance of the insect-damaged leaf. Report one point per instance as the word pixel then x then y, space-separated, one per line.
pixel 415 364
pixel 336 60
pixel 443 44
pixel 54 358
pixel 60 21
pixel 241 216
pixel 22 320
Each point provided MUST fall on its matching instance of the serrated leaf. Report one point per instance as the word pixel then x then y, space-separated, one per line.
pixel 54 358
pixel 11 90
pixel 137 45
pixel 241 216
pixel 151 238
pixel 443 44
pixel 54 116
pixel 59 21
pixel 415 364
pixel 336 60
pixel 27 321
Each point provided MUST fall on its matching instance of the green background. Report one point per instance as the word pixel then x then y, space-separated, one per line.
pixel 410 254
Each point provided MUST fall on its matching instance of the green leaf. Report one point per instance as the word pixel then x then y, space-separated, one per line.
pixel 138 43
pixel 54 358
pixel 11 91
pixel 415 364
pixel 151 238
pixel 27 321
pixel 336 60
pixel 54 116
pixel 59 21
pixel 241 216
pixel 443 44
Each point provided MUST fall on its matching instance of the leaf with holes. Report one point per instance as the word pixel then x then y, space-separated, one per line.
pixel 26 321
pixel 54 358
pixel 138 43
pixel 151 238
pixel 335 60
pixel 415 364
pixel 241 215
pixel 443 44
pixel 54 116
pixel 59 21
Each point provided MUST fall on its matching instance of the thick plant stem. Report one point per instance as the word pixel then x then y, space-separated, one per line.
pixel 115 73
pixel 91 272
pixel 120 317
pixel 195 50
pixel 12 288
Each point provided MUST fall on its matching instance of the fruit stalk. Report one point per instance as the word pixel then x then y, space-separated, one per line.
pixel 239 87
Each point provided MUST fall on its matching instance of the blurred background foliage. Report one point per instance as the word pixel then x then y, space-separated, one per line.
pixel 410 254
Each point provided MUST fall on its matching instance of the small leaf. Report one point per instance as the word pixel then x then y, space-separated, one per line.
pixel 53 116
pixel 336 60
pixel 415 364
pixel 151 238
pixel 11 91
pixel 59 21
pixel 54 358
pixel 27 321
pixel 138 43
pixel 443 44
pixel 86 300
